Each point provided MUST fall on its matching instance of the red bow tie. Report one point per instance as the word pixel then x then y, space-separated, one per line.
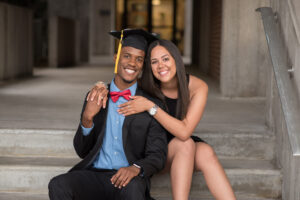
pixel 115 95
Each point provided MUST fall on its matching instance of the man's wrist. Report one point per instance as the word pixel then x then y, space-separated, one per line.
pixel 87 122
pixel 140 170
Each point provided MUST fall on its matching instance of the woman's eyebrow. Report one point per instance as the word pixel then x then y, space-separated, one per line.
pixel 161 57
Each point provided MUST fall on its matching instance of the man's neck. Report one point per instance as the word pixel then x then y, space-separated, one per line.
pixel 121 84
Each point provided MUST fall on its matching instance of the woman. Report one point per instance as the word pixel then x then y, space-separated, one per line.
pixel 185 96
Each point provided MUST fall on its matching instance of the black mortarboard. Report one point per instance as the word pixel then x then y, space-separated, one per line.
pixel 137 38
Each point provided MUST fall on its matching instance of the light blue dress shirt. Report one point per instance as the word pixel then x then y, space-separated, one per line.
pixel 112 155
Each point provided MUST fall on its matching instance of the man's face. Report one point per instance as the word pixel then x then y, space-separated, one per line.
pixel 130 64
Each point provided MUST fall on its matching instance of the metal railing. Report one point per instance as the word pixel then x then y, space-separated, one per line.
pixel 287 91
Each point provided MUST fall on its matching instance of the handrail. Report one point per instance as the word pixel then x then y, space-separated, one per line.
pixel 287 92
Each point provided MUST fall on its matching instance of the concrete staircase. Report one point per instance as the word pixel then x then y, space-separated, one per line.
pixel 29 158
pixel 37 118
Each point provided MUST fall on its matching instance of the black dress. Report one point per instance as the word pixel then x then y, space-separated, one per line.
pixel 171 104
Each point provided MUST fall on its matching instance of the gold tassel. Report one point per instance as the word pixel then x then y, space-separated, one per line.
pixel 118 54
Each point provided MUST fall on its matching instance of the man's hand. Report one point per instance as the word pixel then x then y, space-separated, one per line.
pixel 99 92
pixel 91 109
pixel 124 176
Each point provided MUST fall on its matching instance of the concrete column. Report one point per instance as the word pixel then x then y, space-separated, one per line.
pixel 187 54
pixel 101 44
pixel 52 40
pixel 244 53
pixel 2 40
pixel 19 56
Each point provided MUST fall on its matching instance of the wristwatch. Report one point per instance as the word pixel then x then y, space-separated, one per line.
pixel 152 111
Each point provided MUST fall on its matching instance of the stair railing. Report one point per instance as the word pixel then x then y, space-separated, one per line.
pixel 286 88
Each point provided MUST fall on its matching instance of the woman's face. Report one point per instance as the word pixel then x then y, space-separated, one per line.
pixel 162 64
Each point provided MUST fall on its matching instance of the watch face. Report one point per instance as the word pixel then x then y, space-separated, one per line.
pixel 152 111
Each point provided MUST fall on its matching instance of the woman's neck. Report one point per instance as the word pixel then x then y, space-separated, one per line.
pixel 170 89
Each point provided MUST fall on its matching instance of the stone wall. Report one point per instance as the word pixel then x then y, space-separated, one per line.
pixel 244 53
pixel 16 58
pixel 290 26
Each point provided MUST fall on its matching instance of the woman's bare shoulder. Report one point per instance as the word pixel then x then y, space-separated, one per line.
pixel 197 85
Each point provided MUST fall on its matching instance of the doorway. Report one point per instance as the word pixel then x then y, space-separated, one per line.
pixel 164 17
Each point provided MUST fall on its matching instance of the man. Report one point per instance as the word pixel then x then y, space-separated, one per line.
pixel 119 153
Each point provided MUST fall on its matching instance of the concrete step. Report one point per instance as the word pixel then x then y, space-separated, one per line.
pixel 238 141
pixel 33 196
pixel 34 142
pixel 254 178
pixel 22 196
pixel 257 179
pixel 250 143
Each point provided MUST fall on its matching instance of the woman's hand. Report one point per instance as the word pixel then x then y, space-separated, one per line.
pixel 99 93
pixel 137 104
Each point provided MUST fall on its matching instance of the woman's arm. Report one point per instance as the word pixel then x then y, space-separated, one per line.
pixel 182 129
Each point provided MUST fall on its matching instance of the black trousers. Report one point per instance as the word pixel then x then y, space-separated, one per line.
pixel 94 184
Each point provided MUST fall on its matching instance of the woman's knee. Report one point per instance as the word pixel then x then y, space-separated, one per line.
pixel 205 153
pixel 184 147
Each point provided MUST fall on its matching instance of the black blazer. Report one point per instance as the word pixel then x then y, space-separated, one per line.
pixel 144 140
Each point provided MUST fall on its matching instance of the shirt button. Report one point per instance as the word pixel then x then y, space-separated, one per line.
pixel 116 153
pixel 117 122
pixel 116 137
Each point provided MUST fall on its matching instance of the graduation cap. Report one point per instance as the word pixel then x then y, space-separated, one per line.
pixel 137 38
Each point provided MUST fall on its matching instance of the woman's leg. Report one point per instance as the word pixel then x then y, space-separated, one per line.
pixel 180 163
pixel 206 161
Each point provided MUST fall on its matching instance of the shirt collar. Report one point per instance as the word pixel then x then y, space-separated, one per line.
pixel 114 88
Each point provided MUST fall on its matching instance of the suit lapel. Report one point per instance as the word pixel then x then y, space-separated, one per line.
pixel 127 122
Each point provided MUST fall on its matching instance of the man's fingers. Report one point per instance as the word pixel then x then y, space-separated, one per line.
pixel 97 92
pixel 88 96
pixel 114 177
pixel 119 181
pixel 100 98
pixel 93 94
pixel 122 183
pixel 104 101
pixel 127 181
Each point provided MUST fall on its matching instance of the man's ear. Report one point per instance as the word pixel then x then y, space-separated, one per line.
pixel 115 57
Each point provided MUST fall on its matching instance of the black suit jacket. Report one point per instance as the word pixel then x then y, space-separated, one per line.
pixel 144 140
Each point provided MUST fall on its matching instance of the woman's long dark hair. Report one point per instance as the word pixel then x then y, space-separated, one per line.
pixel 151 85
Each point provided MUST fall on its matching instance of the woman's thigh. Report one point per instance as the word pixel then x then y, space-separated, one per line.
pixel 176 147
